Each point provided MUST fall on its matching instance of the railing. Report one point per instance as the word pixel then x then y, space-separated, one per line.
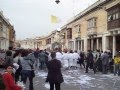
pixel 92 31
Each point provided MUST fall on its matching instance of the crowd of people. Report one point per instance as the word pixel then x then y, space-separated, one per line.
pixel 20 64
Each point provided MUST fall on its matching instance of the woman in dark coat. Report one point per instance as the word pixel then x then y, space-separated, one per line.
pixel 54 76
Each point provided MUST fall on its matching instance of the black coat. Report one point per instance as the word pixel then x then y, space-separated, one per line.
pixel 54 71
pixel 90 58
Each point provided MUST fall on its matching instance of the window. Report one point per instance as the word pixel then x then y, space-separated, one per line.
pixel 79 29
pixel 117 15
pixel 69 33
pixel 92 22
pixel 110 18
pixel 114 16
pixel 113 13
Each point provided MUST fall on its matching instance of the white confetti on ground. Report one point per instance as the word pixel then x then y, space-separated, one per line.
pixel 47 85
pixel 75 77
pixel 42 74
pixel 84 79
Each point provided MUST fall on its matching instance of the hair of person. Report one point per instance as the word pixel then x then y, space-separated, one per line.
pixel 17 52
pixel 24 53
pixel 10 48
pixel 71 51
pixel 75 51
pixel 53 55
pixel 65 51
pixel 7 65
pixel 8 53
pixel 105 52
pixel 41 51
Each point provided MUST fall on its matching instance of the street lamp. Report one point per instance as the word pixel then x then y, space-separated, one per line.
pixel 57 1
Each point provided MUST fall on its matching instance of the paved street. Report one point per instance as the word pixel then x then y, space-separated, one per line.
pixel 78 80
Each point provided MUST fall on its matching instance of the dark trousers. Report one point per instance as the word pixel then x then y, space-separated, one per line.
pixel 42 65
pixel 89 65
pixel 57 86
pixel 104 69
pixel 17 75
pixel 82 63
pixel 27 74
pixel 95 66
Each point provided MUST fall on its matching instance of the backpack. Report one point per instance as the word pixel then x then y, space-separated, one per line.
pixel 2 85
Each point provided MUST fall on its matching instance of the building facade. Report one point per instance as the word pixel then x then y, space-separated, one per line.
pixel 97 27
pixel 113 26
pixel 29 43
pixel 4 32
pixel 7 33
pixel 12 36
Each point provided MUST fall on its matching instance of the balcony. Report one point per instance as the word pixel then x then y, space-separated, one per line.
pixel 92 31
pixel 2 35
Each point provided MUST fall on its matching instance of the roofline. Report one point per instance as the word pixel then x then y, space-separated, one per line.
pixel 1 14
pixel 94 6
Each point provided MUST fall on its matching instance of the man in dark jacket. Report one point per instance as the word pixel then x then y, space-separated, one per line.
pixel 89 60
pixel 42 59
pixel 54 76
pixel 105 60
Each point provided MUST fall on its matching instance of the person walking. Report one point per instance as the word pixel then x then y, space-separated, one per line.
pixel 59 55
pixel 96 64
pixel 105 62
pixel 54 76
pixel 117 64
pixel 16 60
pixel 42 58
pixel 27 68
pixel 81 60
pixel 65 60
pixel 76 57
pixel 89 62
pixel 71 59
pixel 36 57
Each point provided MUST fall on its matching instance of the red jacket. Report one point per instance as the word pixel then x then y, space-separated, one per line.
pixel 9 82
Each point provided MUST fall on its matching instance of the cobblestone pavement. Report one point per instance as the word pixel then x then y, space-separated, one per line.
pixel 79 80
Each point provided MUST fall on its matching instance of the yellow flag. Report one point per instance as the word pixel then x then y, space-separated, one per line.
pixel 54 19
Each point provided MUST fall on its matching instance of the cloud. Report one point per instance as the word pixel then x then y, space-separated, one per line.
pixel 32 16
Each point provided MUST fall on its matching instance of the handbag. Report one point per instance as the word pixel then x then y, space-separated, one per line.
pixel 32 73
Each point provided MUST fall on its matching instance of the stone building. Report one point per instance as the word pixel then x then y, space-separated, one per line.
pixel 7 33
pixel 28 43
pixel 53 40
pixel 97 27
pixel 4 32
pixel 112 37
pixel 12 36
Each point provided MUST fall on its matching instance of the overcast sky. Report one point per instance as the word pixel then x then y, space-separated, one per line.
pixel 31 18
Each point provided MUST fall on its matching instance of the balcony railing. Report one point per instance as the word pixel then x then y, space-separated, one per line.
pixel 2 35
pixel 92 31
